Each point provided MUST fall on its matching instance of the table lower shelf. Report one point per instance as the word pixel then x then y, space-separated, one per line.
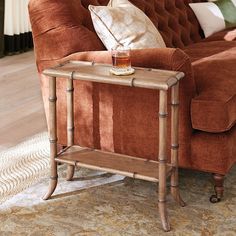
pixel 113 163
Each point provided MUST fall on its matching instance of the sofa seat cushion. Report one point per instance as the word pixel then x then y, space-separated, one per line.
pixel 219 36
pixel 214 108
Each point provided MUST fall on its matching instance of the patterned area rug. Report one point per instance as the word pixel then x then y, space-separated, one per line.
pixel 22 165
pixel 98 204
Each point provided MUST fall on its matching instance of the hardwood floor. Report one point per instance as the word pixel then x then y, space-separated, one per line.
pixel 21 106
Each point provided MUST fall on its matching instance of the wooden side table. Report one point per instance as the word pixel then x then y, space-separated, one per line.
pixel 155 171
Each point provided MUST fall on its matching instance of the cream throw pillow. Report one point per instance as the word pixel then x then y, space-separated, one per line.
pixel 122 24
pixel 215 16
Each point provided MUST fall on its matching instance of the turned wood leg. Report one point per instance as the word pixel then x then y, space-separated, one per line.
pixel 162 160
pixel 52 137
pixel 70 122
pixel 175 144
pixel 52 184
pixel 70 172
pixel 219 188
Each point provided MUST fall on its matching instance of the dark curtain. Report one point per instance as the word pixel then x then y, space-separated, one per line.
pixel 18 43
pixel 1 28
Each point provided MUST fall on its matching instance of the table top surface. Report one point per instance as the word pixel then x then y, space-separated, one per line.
pixel 100 73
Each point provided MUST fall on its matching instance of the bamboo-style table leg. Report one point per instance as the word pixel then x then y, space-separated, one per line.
pixel 70 122
pixel 175 143
pixel 163 159
pixel 52 137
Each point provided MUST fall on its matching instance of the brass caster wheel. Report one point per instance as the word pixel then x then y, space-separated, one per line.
pixel 214 199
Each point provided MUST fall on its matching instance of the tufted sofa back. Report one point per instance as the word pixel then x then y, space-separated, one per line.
pixel 174 19
pixel 61 27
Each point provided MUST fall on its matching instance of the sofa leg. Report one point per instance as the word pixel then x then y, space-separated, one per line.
pixel 219 188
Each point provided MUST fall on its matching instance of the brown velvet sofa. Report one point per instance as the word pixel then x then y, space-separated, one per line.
pixel 123 119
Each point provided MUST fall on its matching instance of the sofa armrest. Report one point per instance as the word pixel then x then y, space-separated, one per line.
pixel 158 58
pixel 168 58
pixel 61 28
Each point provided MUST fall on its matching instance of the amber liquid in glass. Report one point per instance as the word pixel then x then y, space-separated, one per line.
pixel 121 61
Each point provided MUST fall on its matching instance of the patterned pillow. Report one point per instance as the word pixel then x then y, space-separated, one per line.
pixel 122 24
pixel 215 16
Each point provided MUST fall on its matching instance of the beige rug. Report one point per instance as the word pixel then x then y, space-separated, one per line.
pixel 23 165
pixel 97 204
pixel 100 204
